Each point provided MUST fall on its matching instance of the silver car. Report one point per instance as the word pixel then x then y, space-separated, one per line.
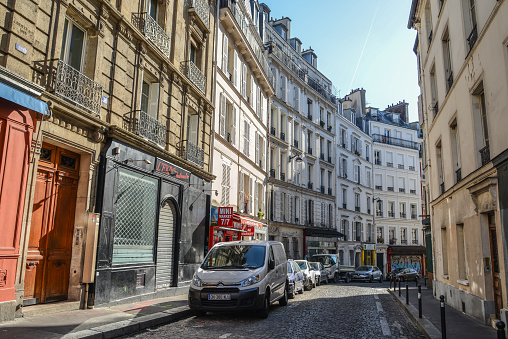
pixel 321 274
pixel 295 277
pixel 309 275
pixel 368 273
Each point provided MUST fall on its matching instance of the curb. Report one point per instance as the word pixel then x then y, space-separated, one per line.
pixel 124 327
pixel 427 328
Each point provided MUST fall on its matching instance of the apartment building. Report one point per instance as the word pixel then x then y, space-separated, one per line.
pixel 124 149
pixel 354 183
pixel 462 73
pixel 243 94
pixel 396 178
pixel 301 159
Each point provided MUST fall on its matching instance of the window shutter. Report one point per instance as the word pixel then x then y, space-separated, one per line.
pixel 225 55
pixel 258 102
pixel 263 195
pixel 242 192
pixel 235 70
pixel 251 94
pixel 251 200
pixel 256 140
pixel 153 100
pixel 256 199
pixel 244 80
pixel 361 174
pixel 224 184
pixel 264 154
pixel 248 139
pixel 277 206
pixel 290 213
pixel 222 120
pixel 233 127
pixel 356 172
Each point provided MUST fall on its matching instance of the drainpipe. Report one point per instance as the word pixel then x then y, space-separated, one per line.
pixel 214 88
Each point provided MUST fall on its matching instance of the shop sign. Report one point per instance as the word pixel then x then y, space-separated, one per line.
pixel 171 170
pixel 369 247
pixel 225 216
pixel 248 231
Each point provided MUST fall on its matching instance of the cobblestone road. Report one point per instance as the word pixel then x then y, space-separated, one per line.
pixel 354 310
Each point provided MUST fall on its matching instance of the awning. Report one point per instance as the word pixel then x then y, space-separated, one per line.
pixel 247 221
pixel 23 99
pixel 229 229
pixel 407 250
pixel 323 233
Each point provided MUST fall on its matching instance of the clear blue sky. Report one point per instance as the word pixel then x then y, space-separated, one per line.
pixel 337 31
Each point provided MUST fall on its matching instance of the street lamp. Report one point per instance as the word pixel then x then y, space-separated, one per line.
pixel 298 158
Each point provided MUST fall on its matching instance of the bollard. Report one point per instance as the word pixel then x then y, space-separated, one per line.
pixel 399 286
pixel 420 301
pixel 407 293
pixel 500 330
pixel 425 278
pixel 391 279
pixel 443 320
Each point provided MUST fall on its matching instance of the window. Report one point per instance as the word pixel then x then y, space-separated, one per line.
pixel 246 137
pixel 344 198
pixel 403 236
pixel 402 209
pixel 439 159
pixel 413 212
pixel 225 183
pixel 136 209
pixel 391 209
pixel 455 146
pixel 377 157
pixel 358 231
pixel 444 250
pixel 344 229
pixel 149 97
pixel 433 90
pixel 73 45
pixel 461 252
pixel 192 126
pixel 227 123
pixel 447 59
pixel 369 183
pixel 151 8
pixel 470 27
pixel 368 205
pixel 357 202
pixel 309 109
pixel 296 98
pixel 379 208
pixel 428 23
pixel 414 236
pixel 380 235
pixel 481 125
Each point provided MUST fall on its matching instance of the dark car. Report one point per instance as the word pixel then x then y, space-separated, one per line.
pixel 296 279
pixel 393 273
pixel 368 273
pixel 409 274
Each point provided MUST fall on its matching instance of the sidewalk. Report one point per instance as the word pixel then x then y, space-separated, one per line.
pixel 458 325
pixel 106 322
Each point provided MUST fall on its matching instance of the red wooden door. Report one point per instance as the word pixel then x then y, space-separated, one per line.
pixel 50 242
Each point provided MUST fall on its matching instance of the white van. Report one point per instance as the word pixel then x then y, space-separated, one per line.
pixel 240 275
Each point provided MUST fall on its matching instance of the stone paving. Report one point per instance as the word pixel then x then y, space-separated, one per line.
pixel 354 310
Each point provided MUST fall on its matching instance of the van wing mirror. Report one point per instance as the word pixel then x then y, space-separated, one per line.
pixel 271 264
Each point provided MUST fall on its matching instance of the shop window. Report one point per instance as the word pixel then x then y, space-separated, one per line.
pixel 135 218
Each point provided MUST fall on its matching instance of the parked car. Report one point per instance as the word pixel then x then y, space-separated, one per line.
pixel 409 274
pixel 309 275
pixel 394 273
pixel 240 275
pixel 368 273
pixel 333 268
pixel 318 267
pixel 296 280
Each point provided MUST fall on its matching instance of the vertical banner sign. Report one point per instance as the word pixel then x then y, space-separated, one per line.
pixel 225 216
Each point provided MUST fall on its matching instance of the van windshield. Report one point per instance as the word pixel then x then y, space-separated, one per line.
pixel 235 257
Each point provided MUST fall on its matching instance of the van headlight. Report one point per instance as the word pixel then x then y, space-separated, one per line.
pixel 196 281
pixel 251 280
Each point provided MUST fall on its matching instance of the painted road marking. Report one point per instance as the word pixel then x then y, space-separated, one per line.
pixel 379 307
pixel 385 327
pixel 225 335
pixel 376 296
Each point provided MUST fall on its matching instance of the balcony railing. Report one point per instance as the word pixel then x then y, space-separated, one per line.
pixel 390 189
pixel 322 190
pixel 295 143
pixel 473 36
pixel 309 150
pixel 152 31
pixel 411 168
pixel 458 174
pixel 194 153
pixel 309 185
pixel 413 216
pixel 202 9
pixel 402 190
pixel 195 75
pixel 378 187
pixel 142 124
pixel 272 131
pixel 441 188
pixel 272 173
pixel 395 141
pixel 391 214
pixel 379 213
pixel 357 208
pixel 380 240
pixel 283 176
pixel 485 155
pixel 78 88
pixel 401 166
pixel 412 191
pixel 282 136
pixel 403 215
pixel 389 164
pixel 322 156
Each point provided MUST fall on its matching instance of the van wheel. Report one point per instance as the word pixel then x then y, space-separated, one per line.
pixel 284 300
pixel 265 310
pixel 293 292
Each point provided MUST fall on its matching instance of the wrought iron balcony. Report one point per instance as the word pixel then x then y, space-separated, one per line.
pixel 309 150
pixel 309 116
pixel 395 141
pixel 413 216
pixel 202 10
pixel 441 188
pixel 401 166
pixel 391 214
pixel 411 168
pixel 449 82
pixel 272 131
pixel 485 155
pixel 458 175
pixel 78 88
pixel 344 205
pixel 309 185
pixel 473 36
pixel 390 189
pixel 322 156
pixel 272 173
pixel 142 124
pixel 357 208
pixel 378 162
pixel 329 191
pixel 379 187
pixel 283 176
pixel 379 213
pixel 152 31
pixel 295 143
pixel 402 190
pixel 322 190
pixel 195 75
pixel 282 136
pixel 412 191
pixel 403 241
pixel 194 153
pixel 389 164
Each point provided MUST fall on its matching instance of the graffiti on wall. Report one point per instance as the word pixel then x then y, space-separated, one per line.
pixel 407 261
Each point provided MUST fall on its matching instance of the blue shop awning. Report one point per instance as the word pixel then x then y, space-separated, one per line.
pixel 23 99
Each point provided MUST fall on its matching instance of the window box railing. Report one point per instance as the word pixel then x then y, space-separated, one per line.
pixel 395 141
pixel 436 108
pixel 378 162
pixel 380 240
pixel 295 143
pixel 473 36
pixel 379 213
pixel 401 166
pixel 309 150
pixel 193 153
pixel 152 31
pixel 412 191
pixel 413 216
pixel 282 136
pixel 430 37
pixel 78 88
pixel 449 82
pixel 309 116
pixel 393 241
pixel 283 176
pixel 403 215
pixel 272 131
pixel 357 208
pixel 485 155
pixel 322 156
pixel 146 126
pixel 414 242
pixel 378 187
pixel 195 75
pixel 329 191
pixel 391 214
pixel 402 190
pixel 344 205
pixel 228 137
pixel 322 123
pixel 202 10
pixel 411 168
pixel 403 241
pixel 458 174
pixel 322 189
pixel 389 164
pixel 390 189
pixel 272 173
pixel 441 188
pixel 309 185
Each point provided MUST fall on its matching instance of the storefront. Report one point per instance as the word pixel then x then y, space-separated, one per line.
pixel 20 116
pixel 154 224
pixel 406 257
pixel 317 241
pixel 243 228
pixel 369 254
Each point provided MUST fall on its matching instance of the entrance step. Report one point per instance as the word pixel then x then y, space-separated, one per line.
pixel 51 308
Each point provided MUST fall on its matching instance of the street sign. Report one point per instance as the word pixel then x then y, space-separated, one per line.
pixel 225 216
pixel 369 247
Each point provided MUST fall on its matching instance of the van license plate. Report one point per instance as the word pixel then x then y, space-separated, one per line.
pixel 219 297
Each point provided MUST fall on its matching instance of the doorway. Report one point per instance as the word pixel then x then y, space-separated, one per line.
pixel 51 232
pixel 496 276
pixel 380 261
